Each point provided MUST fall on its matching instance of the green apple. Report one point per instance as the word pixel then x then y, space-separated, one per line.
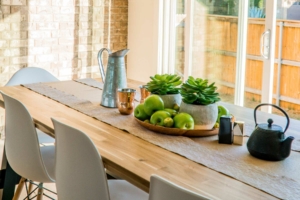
pixel 158 117
pixel 183 121
pixel 171 111
pixel 168 122
pixel 140 113
pixel 153 103
pixel 222 111
pixel 176 107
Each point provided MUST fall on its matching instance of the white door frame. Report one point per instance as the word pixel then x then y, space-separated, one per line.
pixel 241 53
pixel 268 67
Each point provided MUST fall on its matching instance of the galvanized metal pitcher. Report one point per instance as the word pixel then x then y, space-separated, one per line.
pixel 115 77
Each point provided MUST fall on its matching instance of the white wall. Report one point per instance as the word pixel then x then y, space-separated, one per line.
pixel 144 39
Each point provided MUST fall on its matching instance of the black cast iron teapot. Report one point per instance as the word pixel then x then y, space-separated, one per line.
pixel 268 141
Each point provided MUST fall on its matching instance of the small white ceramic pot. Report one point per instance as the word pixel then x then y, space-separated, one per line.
pixel 171 99
pixel 205 116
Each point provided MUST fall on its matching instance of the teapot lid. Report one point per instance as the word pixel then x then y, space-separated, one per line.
pixel 270 126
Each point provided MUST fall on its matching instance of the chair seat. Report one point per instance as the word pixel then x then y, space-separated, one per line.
pixel 48 154
pixel 120 189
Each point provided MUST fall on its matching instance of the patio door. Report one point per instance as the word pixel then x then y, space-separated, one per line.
pixel 211 40
pixel 230 42
pixel 266 49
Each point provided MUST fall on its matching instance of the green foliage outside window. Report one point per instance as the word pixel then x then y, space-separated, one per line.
pixel 231 7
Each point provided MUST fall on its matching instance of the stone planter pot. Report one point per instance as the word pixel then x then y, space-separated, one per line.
pixel 205 117
pixel 171 99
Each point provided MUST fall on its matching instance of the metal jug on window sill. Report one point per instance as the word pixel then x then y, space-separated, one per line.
pixel 268 141
pixel 115 77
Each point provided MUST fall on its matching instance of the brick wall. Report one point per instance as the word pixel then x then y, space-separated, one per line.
pixel 62 36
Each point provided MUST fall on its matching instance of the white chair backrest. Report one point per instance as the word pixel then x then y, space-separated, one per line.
pixel 21 142
pixel 79 169
pixel 31 75
pixel 162 189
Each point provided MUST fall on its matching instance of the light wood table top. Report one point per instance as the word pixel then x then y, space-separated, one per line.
pixel 130 157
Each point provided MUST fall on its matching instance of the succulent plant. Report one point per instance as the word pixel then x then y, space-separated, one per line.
pixel 198 91
pixel 164 84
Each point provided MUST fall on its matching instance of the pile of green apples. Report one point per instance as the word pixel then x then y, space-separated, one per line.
pixel 154 112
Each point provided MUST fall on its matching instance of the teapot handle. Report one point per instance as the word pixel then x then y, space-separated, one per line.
pixel 101 63
pixel 268 104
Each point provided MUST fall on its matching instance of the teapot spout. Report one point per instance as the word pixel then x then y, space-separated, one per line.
pixel 286 146
pixel 120 53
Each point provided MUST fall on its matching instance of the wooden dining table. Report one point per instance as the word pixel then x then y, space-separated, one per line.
pixel 132 158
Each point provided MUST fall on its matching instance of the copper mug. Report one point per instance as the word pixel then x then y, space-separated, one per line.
pixel 126 100
pixel 144 93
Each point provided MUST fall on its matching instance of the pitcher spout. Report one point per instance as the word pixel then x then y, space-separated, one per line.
pixel 286 146
pixel 120 53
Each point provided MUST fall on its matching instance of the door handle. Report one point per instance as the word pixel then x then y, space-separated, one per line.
pixel 265 44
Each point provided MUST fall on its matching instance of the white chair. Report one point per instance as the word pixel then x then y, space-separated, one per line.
pixel 23 151
pixel 33 75
pixel 80 172
pixel 162 189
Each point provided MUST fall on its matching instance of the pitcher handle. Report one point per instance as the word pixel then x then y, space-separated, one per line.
pixel 101 63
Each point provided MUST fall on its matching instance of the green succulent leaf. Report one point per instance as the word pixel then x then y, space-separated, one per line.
pixel 198 91
pixel 164 84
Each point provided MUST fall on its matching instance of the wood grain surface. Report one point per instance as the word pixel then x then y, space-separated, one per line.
pixel 130 157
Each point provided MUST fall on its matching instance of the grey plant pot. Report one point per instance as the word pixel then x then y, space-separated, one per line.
pixel 205 116
pixel 171 99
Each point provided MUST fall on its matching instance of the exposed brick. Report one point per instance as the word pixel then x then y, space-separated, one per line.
pixel 43 42
pixel 44 2
pixel 63 34
pixel 47 10
pixel 44 32
pixel 84 2
pixel 12 52
pixel 47 25
pixel 84 33
pixel 39 34
pixel 66 56
pixel 63 2
pixel 85 40
pixel 22 43
pixel 69 41
pixel 68 25
pixel 46 58
pixel 39 50
pixel 44 65
pixel 98 2
pixel 68 10
pixel 14 35
pixel 62 48
pixel 4 26
pixel 5 2
pixel 18 2
pixel 40 18
pixel 21 59
pixel 4 43
pixel 24 26
pixel 64 18
pixel 5 9
pixel 85 25
pixel 4 61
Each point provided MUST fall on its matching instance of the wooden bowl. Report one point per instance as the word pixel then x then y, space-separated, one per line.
pixel 177 131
